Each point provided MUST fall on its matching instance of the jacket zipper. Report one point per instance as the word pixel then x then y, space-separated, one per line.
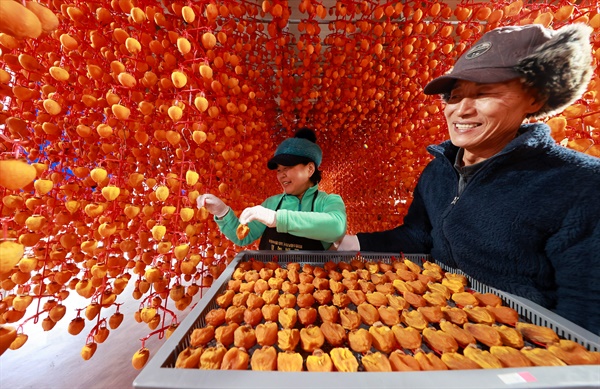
pixel 455 199
pixel 438 150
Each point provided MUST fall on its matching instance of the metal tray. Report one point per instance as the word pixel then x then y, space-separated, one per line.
pixel 161 373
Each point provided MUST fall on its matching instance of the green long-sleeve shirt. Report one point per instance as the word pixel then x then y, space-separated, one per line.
pixel 327 221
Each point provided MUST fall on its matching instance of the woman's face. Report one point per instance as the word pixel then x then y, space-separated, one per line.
pixel 483 118
pixel 295 180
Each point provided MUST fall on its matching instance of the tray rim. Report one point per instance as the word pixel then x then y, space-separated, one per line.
pixel 154 375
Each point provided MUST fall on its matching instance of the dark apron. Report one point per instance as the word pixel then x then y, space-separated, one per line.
pixel 273 240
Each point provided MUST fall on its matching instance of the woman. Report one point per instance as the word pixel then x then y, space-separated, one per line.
pixel 501 200
pixel 302 217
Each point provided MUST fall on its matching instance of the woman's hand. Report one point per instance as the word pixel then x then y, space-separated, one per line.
pixel 347 243
pixel 266 216
pixel 213 204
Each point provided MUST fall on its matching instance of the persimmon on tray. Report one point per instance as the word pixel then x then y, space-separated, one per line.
pixel 366 316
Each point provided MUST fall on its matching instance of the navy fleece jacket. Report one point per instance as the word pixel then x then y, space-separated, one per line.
pixel 528 223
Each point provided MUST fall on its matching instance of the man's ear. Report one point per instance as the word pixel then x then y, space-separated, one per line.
pixel 537 104
pixel 536 101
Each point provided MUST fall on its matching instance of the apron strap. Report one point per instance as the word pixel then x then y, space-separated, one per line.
pixel 273 240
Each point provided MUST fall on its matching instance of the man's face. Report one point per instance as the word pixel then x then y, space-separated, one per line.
pixel 483 118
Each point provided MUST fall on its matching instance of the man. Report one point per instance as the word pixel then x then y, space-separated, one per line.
pixel 501 200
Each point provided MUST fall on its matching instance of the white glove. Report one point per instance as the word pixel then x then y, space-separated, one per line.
pixel 348 243
pixel 266 216
pixel 213 204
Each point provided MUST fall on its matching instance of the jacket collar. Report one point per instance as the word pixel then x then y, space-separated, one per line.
pixel 309 193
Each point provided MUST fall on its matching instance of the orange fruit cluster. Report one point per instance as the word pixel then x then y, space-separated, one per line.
pixel 365 316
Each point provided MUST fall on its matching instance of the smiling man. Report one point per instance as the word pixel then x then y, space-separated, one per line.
pixel 501 200
pixel 483 118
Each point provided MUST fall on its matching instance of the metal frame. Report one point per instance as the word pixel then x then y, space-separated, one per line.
pixel 160 371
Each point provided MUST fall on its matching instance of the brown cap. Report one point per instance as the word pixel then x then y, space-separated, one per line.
pixel 556 63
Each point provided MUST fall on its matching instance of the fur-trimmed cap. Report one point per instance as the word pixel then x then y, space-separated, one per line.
pixel 556 63
pixel 302 148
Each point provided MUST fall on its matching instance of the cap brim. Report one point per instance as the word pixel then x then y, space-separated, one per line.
pixel 286 160
pixel 444 84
